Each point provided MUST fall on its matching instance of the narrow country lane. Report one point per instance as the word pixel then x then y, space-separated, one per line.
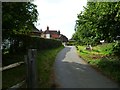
pixel 72 72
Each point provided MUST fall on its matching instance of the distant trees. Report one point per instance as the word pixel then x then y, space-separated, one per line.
pixel 98 21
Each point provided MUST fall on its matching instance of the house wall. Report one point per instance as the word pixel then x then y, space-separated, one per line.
pixel 43 35
pixel 47 35
pixel 54 36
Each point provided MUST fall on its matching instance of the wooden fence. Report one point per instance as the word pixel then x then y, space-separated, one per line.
pixel 31 71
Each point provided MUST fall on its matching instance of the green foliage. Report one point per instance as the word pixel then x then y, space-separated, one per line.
pixel 16 51
pixel 41 43
pixel 17 22
pixel 71 43
pixel 116 49
pixel 45 61
pixel 47 50
pixel 8 59
pixel 13 76
pixel 109 65
pixel 17 17
pixel 105 49
pixel 102 59
pixel 100 20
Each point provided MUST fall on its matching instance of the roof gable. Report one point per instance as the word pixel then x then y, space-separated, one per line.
pixel 51 32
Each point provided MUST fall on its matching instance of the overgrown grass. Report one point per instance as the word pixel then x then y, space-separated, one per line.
pixel 16 54
pixel 13 76
pixel 8 59
pixel 71 43
pixel 102 59
pixel 45 61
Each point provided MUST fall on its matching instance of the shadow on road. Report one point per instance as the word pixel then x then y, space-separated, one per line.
pixel 72 72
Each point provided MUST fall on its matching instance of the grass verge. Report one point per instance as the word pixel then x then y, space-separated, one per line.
pixel 11 77
pixel 45 61
pixel 8 59
pixel 102 59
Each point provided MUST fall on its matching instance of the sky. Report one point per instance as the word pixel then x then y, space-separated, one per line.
pixel 59 15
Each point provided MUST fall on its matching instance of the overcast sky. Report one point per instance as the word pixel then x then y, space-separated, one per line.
pixel 59 14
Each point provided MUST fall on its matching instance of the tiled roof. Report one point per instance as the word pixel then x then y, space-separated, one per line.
pixel 53 33
pixel 50 32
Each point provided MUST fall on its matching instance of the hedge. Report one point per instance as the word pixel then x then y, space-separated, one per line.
pixel 24 42
pixel 36 43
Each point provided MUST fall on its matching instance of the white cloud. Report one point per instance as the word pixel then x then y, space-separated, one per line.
pixel 59 14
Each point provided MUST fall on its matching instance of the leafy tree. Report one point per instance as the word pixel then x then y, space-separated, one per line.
pixel 17 18
pixel 100 20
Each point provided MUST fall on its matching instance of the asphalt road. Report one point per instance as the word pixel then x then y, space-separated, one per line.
pixel 72 72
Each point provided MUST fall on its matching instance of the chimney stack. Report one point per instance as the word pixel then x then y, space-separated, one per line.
pixel 59 32
pixel 47 27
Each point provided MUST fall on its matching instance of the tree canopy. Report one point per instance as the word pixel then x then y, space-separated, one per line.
pixel 98 21
pixel 17 17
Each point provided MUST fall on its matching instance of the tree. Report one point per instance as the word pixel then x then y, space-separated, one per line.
pixel 17 18
pixel 100 20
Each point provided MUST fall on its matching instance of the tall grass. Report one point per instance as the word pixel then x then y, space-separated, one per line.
pixel 13 76
pixel 102 59
pixel 46 58
pixel 45 61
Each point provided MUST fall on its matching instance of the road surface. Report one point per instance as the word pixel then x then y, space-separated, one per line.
pixel 72 72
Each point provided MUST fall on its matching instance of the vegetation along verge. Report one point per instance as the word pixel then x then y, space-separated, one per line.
pixel 102 58
pixel 47 50
pixel 45 61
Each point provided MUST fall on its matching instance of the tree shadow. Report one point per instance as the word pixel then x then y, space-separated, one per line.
pixel 110 65
pixel 77 73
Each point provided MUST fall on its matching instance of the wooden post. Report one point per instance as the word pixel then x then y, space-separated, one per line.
pixel 31 69
pixel 27 70
pixel 1 44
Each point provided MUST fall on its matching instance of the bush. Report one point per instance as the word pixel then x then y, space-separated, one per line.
pixel 28 42
pixel 41 43
pixel 116 49
pixel 17 50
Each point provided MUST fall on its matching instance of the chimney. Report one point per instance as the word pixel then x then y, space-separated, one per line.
pixel 47 27
pixel 59 32
pixel 40 30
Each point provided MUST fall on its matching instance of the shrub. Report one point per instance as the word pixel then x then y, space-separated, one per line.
pixel 116 49
pixel 36 43
pixel 41 43
pixel 24 43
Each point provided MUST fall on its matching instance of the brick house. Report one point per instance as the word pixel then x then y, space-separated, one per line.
pixel 63 38
pixel 54 34
pixel 50 34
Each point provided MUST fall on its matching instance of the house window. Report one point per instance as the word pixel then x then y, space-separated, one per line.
pixel 47 35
